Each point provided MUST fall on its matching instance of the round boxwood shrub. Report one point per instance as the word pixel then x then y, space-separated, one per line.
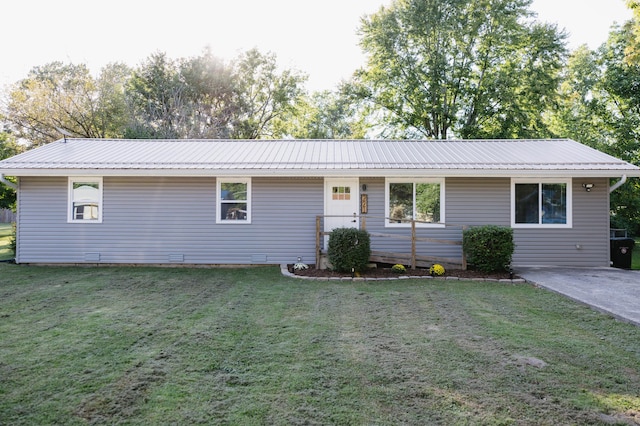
pixel 349 248
pixel 489 248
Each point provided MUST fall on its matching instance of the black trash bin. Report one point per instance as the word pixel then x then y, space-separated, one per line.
pixel 621 250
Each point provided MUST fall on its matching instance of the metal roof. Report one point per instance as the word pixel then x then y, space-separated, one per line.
pixel 188 157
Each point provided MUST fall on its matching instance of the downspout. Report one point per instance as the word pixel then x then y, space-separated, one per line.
pixel 8 182
pixel 618 184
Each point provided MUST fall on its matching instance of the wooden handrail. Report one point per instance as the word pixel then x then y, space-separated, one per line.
pixel 413 238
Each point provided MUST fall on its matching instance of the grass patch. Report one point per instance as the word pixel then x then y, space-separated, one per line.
pixel 635 255
pixel 5 241
pixel 248 346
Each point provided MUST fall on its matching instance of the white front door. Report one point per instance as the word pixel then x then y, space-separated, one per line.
pixel 341 202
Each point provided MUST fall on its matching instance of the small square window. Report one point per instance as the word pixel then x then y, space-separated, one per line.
pixel 341 193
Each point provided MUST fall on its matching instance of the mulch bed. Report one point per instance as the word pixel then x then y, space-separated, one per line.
pixel 384 271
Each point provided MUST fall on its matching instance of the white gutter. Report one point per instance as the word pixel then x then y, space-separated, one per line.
pixel 8 182
pixel 618 184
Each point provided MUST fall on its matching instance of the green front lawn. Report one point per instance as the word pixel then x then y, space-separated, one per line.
pixel 635 259
pixel 248 346
pixel 5 241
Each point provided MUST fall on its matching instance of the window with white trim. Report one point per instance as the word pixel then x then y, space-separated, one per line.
pixel 234 200
pixel 541 203
pixel 85 200
pixel 412 199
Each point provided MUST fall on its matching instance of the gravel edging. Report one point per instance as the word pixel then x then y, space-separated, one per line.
pixel 285 271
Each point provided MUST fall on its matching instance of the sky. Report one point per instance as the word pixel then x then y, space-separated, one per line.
pixel 318 38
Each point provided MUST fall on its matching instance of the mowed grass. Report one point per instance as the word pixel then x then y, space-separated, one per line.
pixel 5 241
pixel 248 346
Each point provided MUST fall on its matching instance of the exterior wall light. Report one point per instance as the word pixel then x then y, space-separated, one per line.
pixel 588 186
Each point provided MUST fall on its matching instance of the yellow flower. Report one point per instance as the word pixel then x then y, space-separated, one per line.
pixel 399 269
pixel 436 269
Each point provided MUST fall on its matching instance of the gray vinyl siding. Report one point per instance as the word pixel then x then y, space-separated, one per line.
pixel 488 201
pixel 482 201
pixel 161 220
pixel 169 220
pixel 590 231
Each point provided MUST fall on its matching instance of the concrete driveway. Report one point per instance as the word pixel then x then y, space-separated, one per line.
pixel 610 290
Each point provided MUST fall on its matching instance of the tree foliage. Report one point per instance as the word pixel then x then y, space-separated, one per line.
pixel 469 68
pixel 8 148
pixel 198 97
pixel 324 115
pixel 59 97
pixel 264 94
pixel 600 106
pixel 184 98
pixel 204 97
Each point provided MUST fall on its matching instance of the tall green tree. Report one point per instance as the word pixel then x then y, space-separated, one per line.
pixel 156 96
pixel 211 93
pixel 600 106
pixel 203 97
pixel 264 94
pixel 632 51
pixel 324 115
pixel 8 148
pixel 65 97
pixel 463 68
pixel 182 98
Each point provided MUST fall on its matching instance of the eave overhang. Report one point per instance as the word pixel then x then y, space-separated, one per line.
pixel 334 172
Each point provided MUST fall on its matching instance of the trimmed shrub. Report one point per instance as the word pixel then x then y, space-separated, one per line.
pixel 349 248
pixel 489 248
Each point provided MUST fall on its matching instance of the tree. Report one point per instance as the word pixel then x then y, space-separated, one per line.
pixel 183 98
pixel 8 148
pixel 264 94
pixel 65 97
pixel 202 97
pixel 211 95
pixel 466 68
pixel 582 102
pixel 600 106
pixel 157 97
pixel 632 50
pixel 324 115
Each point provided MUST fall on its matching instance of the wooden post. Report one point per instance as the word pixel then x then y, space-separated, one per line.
pixel 413 244
pixel 318 236
pixel 363 223
pixel 464 255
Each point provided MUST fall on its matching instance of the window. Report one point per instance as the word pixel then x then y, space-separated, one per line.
pixel 234 201
pixel 421 200
pixel 85 200
pixel 541 204
pixel 341 193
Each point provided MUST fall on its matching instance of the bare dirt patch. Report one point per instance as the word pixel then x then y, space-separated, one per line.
pixel 121 399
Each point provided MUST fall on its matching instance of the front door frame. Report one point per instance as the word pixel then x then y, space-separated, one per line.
pixel 349 220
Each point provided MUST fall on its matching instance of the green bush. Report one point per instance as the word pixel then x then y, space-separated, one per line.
pixel 349 248
pixel 489 248
pixel 13 243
